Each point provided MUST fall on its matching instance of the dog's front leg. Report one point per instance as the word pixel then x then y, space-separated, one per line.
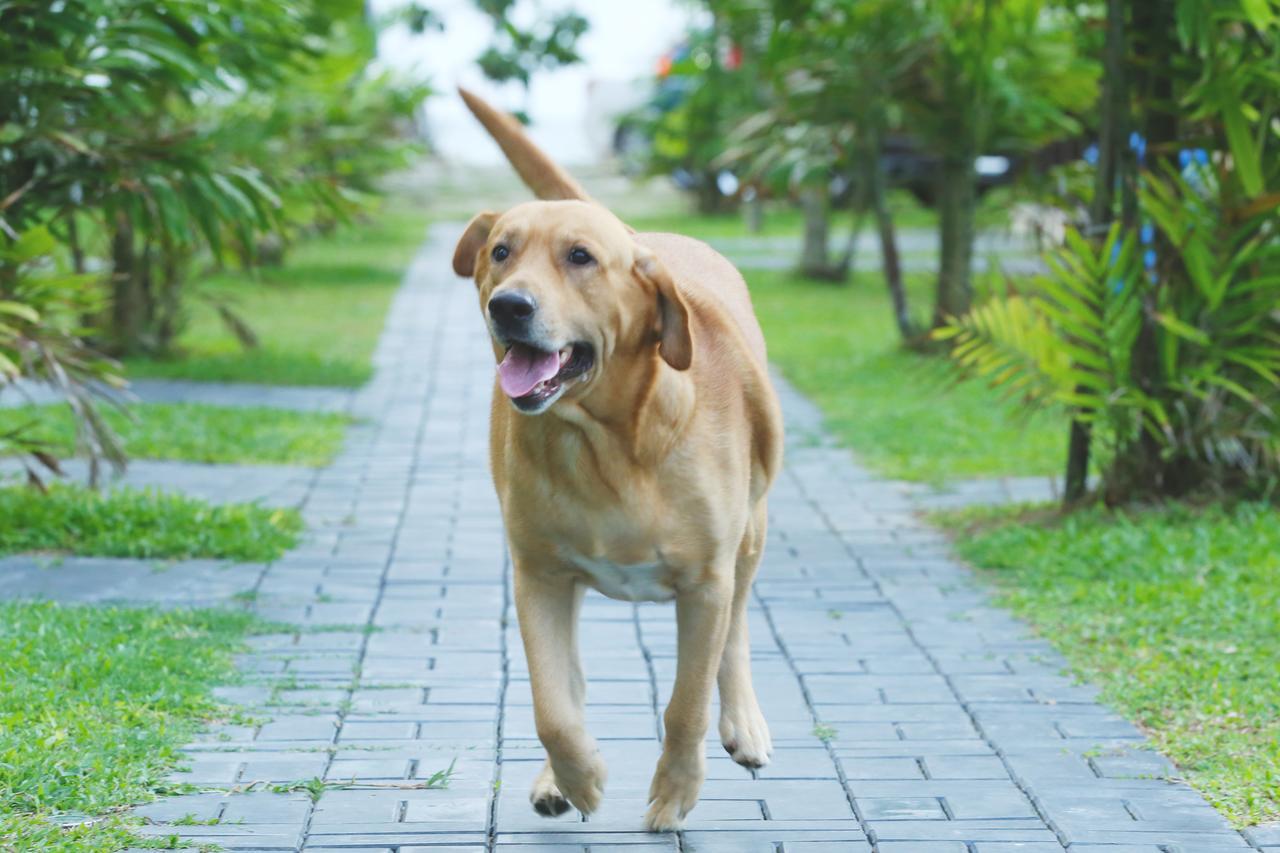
pixel 702 622
pixel 548 613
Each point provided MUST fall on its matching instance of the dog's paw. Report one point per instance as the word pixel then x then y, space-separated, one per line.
pixel 745 736
pixel 545 796
pixel 581 780
pixel 674 790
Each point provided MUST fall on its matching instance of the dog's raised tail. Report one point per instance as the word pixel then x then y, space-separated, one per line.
pixel 539 172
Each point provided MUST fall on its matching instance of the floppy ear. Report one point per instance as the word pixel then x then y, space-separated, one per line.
pixel 675 343
pixel 473 240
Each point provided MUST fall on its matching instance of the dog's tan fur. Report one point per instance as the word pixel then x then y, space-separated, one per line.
pixel 660 456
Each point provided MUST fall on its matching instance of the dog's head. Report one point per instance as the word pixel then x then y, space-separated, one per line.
pixel 567 293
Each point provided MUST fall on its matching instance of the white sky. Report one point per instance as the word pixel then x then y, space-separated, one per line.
pixel 567 106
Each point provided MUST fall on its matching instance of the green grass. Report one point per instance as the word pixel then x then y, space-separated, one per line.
pixel 198 433
pixel 141 524
pixel 1174 613
pixel 783 219
pixel 318 317
pixel 899 410
pixel 96 705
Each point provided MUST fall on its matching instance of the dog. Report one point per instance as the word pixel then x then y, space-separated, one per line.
pixel 634 437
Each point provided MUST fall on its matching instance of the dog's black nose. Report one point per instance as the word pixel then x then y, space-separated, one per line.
pixel 511 309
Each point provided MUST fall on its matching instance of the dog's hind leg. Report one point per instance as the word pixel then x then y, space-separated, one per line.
pixel 743 730
pixel 574 772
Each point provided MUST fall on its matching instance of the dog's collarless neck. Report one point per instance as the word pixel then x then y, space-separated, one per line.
pixel 646 426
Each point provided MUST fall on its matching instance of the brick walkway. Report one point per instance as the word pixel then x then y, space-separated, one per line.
pixel 908 714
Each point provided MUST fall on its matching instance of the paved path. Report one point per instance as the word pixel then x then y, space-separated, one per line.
pixel 908 714
pixel 240 394
pixel 271 485
pixel 918 247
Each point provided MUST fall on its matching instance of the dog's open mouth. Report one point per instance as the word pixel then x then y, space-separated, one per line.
pixel 532 377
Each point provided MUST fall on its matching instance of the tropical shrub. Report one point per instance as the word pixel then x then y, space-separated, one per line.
pixel 1071 342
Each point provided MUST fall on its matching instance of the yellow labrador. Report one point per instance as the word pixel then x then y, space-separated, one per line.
pixel 634 436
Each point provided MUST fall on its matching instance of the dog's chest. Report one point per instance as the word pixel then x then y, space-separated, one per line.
pixel 628 582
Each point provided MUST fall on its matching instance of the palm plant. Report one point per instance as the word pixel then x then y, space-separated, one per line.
pixel 1211 408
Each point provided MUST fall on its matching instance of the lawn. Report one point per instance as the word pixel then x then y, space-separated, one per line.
pixel 1174 613
pixel 784 219
pixel 141 524
pixel 198 433
pixel 902 412
pixel 96 705
pixel 318 317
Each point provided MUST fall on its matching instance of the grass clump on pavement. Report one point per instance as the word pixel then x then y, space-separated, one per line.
pixel 1174 612
pixel 193 432
pixel 96 705
pixel 317 317
pixel 901 411
pixel 141 524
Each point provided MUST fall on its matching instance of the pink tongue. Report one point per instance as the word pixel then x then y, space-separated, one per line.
pixel 524 367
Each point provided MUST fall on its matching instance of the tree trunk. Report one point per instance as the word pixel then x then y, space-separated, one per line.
pixel 89 319
pixel 168 303
pixel 889 258
pixel 815 201
pixel 1111 133
pixel 73 242
pixel 861 193
pixel 957 207
pixel 128 302
pixel 1155 57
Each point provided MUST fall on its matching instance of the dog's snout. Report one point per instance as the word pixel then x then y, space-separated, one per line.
pixel 511 309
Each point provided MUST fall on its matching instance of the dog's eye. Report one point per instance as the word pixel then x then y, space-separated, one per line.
pixel 499 252
pixel 580 257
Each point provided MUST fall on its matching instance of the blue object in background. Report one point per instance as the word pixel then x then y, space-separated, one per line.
pixel 1138 144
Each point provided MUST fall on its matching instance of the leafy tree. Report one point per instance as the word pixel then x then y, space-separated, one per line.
pixel 833 69
pixel 516 54
pixel 701 97
pixel 330 130
pixel 835 79
pixel 993 76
